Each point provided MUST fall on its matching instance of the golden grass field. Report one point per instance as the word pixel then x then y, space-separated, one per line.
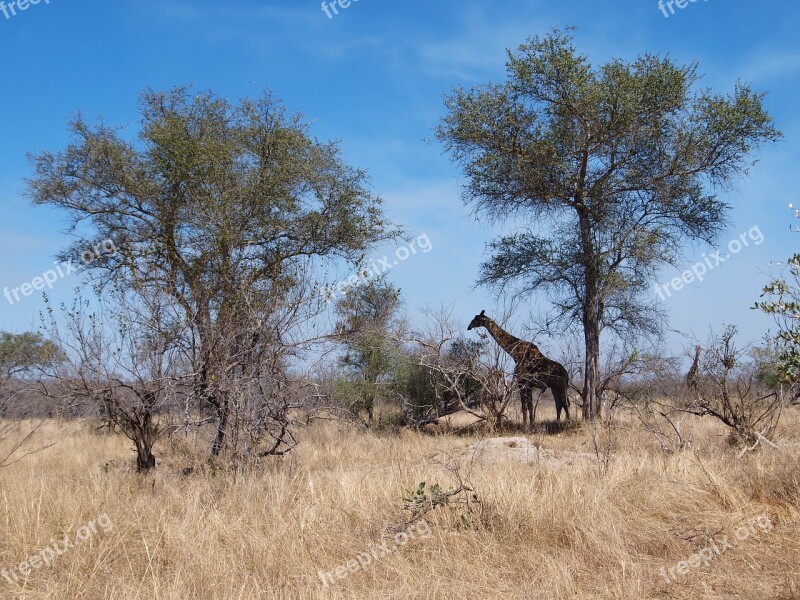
pixel 541 530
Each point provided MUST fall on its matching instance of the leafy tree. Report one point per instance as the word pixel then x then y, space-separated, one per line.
pixel 227 206
pixel 604 170
pixel 21 352
pixel 766 359
pixel 21 355
pixel 367 314
pixel 784 305
pixel 416 386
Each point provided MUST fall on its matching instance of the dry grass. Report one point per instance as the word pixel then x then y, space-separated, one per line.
pixel 542 530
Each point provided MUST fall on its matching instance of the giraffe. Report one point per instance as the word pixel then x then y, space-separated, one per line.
pixel 693 376
pixel 533 369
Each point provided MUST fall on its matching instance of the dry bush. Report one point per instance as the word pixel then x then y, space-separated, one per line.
pixel 466 375
pixel 729 391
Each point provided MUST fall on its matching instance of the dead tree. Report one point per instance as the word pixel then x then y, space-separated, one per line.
pixel 467 377
pixel 124 363
pixel 729 391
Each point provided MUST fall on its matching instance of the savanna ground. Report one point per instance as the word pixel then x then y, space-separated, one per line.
pixel 583 528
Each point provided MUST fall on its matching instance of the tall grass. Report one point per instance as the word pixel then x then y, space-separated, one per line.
pixel 541 529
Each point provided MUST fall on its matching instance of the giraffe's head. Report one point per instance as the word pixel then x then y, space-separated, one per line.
pixel 479 321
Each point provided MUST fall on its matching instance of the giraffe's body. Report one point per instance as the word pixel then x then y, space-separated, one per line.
pixel 534 371
pixel 693 376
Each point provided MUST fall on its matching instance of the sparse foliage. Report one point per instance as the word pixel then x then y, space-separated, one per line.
pixel 784 306
pixel 123 363
pixel 426 498
pixel 466 374
pixel 729 391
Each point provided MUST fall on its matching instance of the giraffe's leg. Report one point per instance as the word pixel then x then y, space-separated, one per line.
pixel 536 405
pixel 562 400
pixel 558 407
pixel 531 413
pixel 529 405
pixel 524 408
pixel 525 400
pixel 521 392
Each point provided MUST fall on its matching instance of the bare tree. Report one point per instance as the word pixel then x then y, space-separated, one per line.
pixel 729 390
pixel 467 375
pixel 268 376
pixel 655 397
pixel 125 361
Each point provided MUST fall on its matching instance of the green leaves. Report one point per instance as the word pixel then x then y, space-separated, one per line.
pixel 215 195
pixel 19 352
pixel 367 316
pixel 625 149
pixel 784 306
pixel 420 501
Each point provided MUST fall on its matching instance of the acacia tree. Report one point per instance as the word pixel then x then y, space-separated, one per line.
pixel 21 358
pixel 606 172
pixel 226 206
pixel 20 354
pixel 367 319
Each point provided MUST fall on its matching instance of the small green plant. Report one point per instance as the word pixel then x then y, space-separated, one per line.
pixel 424 499
pixel 419 501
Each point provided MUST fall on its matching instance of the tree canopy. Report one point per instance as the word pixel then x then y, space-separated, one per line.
pixel 604 171
pixel 22 351
pixel 225 207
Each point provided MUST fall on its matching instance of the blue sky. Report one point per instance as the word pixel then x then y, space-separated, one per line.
pixel 374 77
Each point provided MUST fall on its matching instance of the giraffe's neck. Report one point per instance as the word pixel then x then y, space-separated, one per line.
pixel 511 344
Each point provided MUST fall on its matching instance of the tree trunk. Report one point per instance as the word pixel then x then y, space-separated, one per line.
pixel 144 458
pixel 591 333
pixel 209 365
pixel 591 320
pixel 144 435
pixel 222 426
